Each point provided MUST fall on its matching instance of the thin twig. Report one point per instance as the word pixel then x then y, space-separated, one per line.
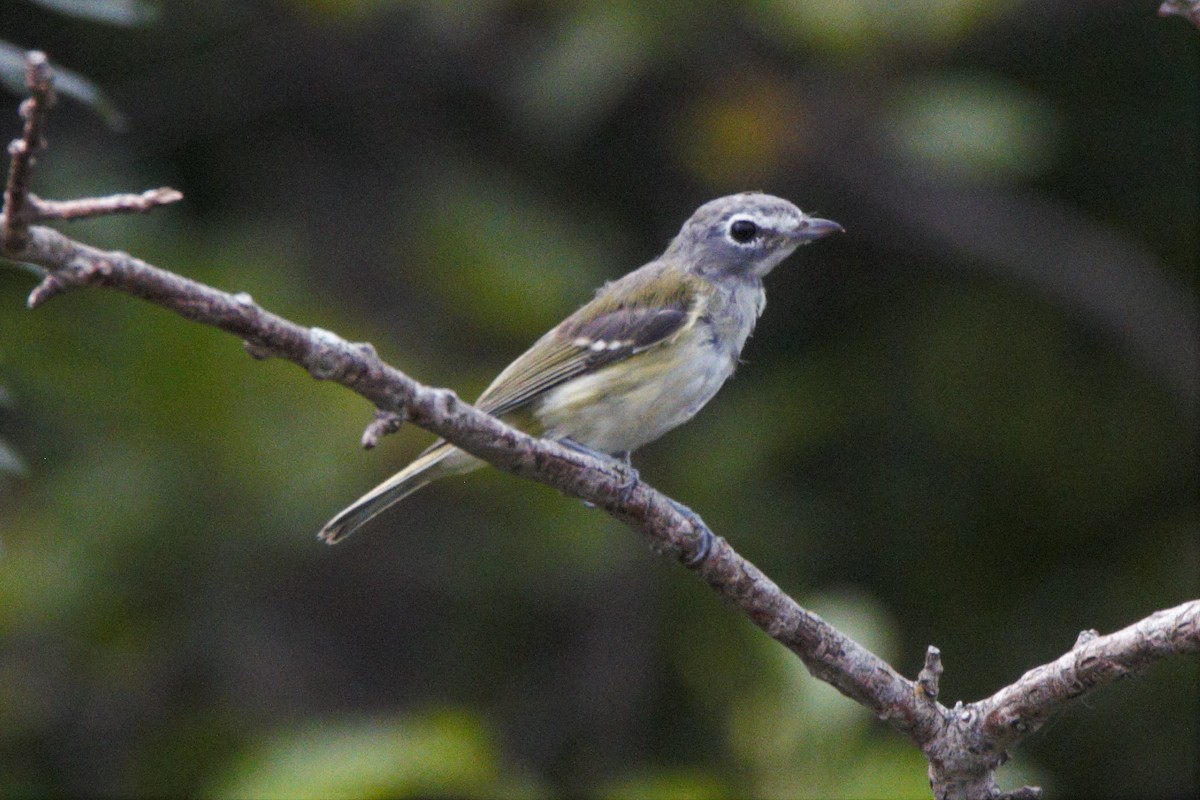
pixel 46 210
pixel 39 78
pixel 383 424
pixel 930 677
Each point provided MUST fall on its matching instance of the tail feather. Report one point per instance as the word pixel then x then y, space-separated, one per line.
pixel 437 462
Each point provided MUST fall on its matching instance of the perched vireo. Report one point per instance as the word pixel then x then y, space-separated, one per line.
pixel 642 357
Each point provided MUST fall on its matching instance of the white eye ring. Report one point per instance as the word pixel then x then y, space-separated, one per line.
pixel 743 230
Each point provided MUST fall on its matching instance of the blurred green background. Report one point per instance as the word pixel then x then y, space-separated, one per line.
pixel 971 421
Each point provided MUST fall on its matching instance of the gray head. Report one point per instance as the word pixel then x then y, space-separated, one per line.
pixel 745 234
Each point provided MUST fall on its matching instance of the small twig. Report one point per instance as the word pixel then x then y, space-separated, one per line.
pixel 384 423
pixel 50 287
pixel 1188 9
pixel 45 210
pixel 39 78
pixel 931 675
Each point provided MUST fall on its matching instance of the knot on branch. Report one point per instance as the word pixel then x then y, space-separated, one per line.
pixel 1012 722
pixel 257 350
pixel 330 355
pixel 962 758
pixel 444 401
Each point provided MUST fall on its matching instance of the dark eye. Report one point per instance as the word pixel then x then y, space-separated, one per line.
pixel 743 230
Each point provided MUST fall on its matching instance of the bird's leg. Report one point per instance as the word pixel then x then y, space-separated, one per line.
pixel 631 475
pixel 619 462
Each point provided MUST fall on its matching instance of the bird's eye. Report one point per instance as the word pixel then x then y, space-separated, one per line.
pixel 743 230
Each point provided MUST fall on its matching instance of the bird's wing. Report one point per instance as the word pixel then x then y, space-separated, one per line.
pixel 625 318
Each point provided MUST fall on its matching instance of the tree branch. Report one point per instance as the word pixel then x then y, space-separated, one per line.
pixel 964 745
pixel 977 737
pixel 40 81
pixel 45 210
pixel 1012 714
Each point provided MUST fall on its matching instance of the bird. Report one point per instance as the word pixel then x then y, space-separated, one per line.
pixel 646 353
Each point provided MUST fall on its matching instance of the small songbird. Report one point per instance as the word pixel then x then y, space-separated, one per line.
pixel 642 357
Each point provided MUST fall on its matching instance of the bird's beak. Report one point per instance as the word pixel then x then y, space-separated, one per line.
pixel 813 228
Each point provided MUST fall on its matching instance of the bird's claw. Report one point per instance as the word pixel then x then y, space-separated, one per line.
pixel 619 464
pixel 704 536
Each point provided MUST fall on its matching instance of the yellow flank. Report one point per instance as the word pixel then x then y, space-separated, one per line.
pixel 624 405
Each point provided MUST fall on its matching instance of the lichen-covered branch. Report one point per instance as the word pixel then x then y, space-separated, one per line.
pixel 964 745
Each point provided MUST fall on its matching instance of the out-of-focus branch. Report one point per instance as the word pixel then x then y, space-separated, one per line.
pixel 1188 9
pixel 1107 278
pixel 964 745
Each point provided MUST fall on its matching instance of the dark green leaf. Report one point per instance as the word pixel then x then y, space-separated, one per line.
pixel 112 12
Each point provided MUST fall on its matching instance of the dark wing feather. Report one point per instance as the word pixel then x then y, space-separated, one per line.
pixel 619 323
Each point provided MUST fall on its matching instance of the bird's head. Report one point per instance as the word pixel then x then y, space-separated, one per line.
pixel 745 234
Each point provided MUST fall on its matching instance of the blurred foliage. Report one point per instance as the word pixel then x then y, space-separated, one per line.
pixel 972 129
pixel 446 754
pixel 10 462
pixel 858 27
pixel 973 426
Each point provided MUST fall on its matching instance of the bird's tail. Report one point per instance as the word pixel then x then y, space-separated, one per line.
pixel 439 461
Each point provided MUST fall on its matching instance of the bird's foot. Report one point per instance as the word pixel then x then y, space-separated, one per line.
pixel 704 536
pixel 619 463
